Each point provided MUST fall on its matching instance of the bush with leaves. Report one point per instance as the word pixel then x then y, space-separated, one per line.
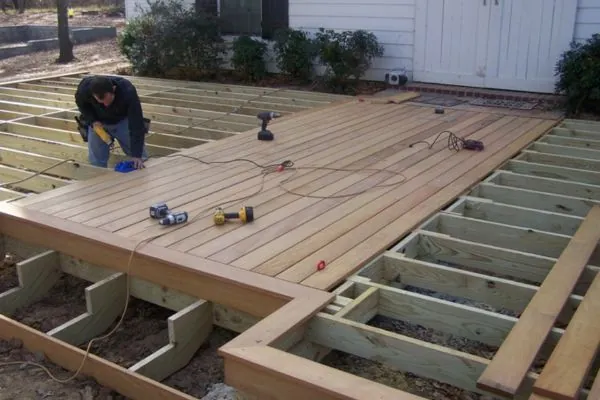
pixel 346 55
pixel 578 72
pixel 169 35
pixel 249 57
pixel 295 52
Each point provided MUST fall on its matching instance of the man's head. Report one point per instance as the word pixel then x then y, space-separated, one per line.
pixel 103 90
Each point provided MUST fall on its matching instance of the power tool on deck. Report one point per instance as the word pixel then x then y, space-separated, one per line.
pixel 246 214
pixel 471 144
pixel 159 210
pixel 265 117
pixel 174 218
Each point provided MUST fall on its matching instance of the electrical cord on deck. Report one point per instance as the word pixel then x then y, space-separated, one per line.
pixel 265 171
pixel 38 173
pixel 454 142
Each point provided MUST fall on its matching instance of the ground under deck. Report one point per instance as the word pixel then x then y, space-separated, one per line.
pixel 291 232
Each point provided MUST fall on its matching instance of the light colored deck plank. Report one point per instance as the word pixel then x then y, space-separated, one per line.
pixel 436 195
pixel 272 197
pixel 209 174
pixel 292 233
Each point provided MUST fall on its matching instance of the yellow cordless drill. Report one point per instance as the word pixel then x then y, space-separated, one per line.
pixel 100 131
pixel 246 214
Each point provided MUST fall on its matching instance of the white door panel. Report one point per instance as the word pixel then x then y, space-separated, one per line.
pixel 503 44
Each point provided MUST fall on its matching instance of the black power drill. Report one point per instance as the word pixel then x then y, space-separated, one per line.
pixel 265 117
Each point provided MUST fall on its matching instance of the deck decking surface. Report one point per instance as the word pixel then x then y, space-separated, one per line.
pixel 340 217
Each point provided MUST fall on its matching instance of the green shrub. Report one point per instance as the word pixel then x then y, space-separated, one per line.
pixel 295 52
pixel 578 72
pixel 346 55
pixel 171 35
pixel 249 57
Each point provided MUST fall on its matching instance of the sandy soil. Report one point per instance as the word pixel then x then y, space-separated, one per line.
pixel 101 55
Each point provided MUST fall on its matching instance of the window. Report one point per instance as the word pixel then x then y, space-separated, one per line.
pixel 248 17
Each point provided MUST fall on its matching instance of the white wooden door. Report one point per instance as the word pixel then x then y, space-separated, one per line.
pixel 451 41
pixel 526 40
pixel 502 44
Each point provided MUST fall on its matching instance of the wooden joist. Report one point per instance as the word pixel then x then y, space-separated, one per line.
pixel 38 124
pixel 570 362
pixel 513 360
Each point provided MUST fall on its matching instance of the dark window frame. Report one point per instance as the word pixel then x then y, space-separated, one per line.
pixel 274 16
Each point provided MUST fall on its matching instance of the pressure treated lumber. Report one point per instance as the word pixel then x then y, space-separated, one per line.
pixel 105 301
pixel 106 373
pixel 515 356
pixel 36 277
pixel 566 370
pixel 39 124
pixel 266 371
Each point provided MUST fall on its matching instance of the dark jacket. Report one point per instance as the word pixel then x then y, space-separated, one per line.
pixel 125 105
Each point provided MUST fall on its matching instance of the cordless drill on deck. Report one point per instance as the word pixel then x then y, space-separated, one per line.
pixel 265 117
pixel 246 214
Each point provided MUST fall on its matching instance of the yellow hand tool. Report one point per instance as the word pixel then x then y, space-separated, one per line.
pixel 246 214
pixel 101 132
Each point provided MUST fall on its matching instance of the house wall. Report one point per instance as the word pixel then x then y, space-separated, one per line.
pixel 392 21
pixel 587 21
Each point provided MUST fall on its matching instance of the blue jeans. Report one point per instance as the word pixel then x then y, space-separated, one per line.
pixel 99 152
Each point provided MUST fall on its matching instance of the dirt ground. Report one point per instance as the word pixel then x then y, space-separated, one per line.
pixel 100 55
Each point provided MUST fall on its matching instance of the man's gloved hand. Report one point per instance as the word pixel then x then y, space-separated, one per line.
pixel 138 163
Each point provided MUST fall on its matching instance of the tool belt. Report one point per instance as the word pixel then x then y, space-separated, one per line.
pixel 82 127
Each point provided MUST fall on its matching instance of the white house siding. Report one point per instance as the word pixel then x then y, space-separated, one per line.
pixel 587 21
pixel 392 21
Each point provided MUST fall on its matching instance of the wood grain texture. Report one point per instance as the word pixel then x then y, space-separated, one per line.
pixel 511 363
pixel 338 216
pixel 570 362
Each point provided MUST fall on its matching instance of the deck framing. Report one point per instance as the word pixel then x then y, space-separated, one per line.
pixel 494 243
pixel 38 130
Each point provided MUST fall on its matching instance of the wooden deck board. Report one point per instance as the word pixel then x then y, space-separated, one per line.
pixel 504 376
pixel 292 233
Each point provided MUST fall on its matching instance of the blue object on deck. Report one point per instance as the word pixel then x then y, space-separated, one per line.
pixel 125 166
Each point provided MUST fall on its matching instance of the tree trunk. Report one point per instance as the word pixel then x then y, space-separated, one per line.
pixel 64 41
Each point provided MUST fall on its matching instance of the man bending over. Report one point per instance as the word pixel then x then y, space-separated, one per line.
pixel 112 103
